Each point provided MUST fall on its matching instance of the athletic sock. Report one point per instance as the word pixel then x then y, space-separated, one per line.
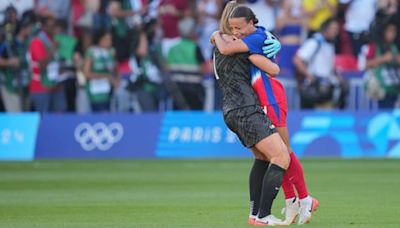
pixel 296 176
pixel 290 201
pixel 255 184
pixel 271 183
pixel 306 202
pixel 287 187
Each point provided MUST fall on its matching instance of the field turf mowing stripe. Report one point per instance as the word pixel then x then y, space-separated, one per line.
pixel 187 193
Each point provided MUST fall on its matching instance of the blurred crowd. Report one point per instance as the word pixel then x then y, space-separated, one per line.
pixel 155 55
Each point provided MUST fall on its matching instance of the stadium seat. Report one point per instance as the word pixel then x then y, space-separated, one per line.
pixel 346 62
pixel 124 68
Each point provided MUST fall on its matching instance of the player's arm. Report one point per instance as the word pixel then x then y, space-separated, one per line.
pixel 265 64
pixel 302 67
pixel 228 47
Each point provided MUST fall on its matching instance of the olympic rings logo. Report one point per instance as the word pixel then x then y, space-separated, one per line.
pixel 100 135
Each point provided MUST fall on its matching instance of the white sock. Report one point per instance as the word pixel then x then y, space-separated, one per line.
pixel 251 207
pixel 290 200
pixel 306 201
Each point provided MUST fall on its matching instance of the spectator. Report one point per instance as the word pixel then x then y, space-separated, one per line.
pixel 20 6
pixel 170 12
pixel 10 22
pixel 82 103
pixel 100 72
pixel 59 9
pixel 15 69
pixel 319 85
pixel 208 12
pixel 318 11
pixel 65 51
pixel 359 15
pixel 289 29
pixel 184 62
pixel 383 61
pixel 96 17
pixel 266 11
pixel 127 21
pixel 125 27
pixel 387 10
pixel 146 80
pixel 46 89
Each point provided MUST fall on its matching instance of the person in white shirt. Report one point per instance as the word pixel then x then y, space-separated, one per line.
pixel 315 62
pixel 358 18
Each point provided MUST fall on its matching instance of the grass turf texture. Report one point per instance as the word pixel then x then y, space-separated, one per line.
pixel 186 193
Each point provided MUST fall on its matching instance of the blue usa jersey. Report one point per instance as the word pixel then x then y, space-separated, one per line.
pixel 269 91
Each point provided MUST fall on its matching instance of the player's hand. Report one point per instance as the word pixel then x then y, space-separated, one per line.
pixel 212 38
pixel 271 47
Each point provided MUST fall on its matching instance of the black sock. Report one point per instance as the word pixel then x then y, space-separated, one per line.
pixel 256 177
pixel 271 185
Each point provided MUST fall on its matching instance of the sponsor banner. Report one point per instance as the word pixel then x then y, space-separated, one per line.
pixel 98 136
pixel 18 136
pixel 313 134
pixel 197 135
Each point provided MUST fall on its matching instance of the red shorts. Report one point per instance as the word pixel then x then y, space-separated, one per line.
pixel 277 113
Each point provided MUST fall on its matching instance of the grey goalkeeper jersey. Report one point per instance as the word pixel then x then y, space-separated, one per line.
pixel 233 76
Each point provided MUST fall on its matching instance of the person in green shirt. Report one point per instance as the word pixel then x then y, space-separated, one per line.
pixel 100 71
pixel 185 66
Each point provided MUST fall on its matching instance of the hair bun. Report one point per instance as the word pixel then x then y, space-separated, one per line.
pixel 255 21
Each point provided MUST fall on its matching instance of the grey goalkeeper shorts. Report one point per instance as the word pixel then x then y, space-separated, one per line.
pixel 250 124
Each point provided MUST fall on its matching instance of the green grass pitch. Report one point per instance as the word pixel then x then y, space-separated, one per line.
pixel 187 193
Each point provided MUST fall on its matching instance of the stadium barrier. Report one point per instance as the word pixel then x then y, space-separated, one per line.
pixel 357 99
pixel 190 135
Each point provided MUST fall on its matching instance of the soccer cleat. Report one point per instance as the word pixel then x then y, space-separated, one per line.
pixel 252 219
pixel 269 220
pixel 306 211
pixel 291 211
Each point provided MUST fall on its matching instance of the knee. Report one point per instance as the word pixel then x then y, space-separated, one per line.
pixel 282 158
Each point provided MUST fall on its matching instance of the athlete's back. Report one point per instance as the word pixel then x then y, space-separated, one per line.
pixel 233 76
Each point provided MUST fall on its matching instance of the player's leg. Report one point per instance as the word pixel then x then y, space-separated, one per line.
pixel 295 175
pixel 256 131
pixel 295 171
pixel 292 208
pixel 257 172
pixel 276 152
pixel 307 203
pixel 277 114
